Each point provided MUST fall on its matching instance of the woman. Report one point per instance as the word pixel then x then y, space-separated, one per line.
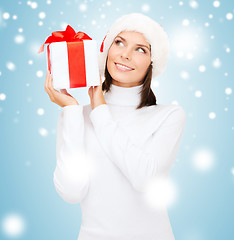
pixel 110 150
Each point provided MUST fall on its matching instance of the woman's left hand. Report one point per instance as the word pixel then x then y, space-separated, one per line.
pixel 96 95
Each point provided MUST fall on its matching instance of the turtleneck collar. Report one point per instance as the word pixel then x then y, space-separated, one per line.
pixel 123 96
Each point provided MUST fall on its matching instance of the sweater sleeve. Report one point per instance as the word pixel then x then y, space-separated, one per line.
pixel 137 164
pixel 71 175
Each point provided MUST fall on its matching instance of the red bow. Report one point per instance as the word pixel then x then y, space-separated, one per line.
pixel 69 35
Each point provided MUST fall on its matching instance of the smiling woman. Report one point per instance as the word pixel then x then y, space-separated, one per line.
pixel 132 53
pixel 114 155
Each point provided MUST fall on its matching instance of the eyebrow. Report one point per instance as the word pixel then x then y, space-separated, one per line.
pixel 136 44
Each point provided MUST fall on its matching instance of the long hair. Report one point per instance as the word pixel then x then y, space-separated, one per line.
pixel 147 96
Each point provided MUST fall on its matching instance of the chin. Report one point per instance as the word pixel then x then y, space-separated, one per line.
pixel 120 78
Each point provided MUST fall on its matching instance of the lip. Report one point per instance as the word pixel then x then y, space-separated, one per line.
pixel 124 66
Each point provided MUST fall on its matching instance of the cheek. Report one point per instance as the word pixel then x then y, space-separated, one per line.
pixel 143 63
pixel 111 52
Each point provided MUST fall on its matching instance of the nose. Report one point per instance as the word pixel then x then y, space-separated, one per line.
pixel 126 53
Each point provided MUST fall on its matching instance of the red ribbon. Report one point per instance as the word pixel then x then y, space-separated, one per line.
pixel 69 35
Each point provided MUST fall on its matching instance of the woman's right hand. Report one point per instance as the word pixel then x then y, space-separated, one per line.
pixel 62 98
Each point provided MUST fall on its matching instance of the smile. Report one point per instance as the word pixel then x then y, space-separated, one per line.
pixel 123 68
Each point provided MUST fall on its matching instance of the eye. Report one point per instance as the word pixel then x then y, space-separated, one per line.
pixel 142 49
pixel 117 41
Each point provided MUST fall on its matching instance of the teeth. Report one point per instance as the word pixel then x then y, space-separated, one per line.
pixel 121 66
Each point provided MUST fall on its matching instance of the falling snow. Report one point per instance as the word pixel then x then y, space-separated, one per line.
pixel 193 4
pixel 185 22
pixel 203 159
pixel 202 68
pixel 39 73
pixel 2 96
pixel 6 15
pixel 40 111
pixel 19 39
pixel 33 5
pixel 184 75
pixel 228 91
pixel 217 63
pixel 13 225
pixel 10 66
pixel 83 7
pixel 216 4
pixel 198 94
pixel 42 15
pixel 229 16
pixel 212 115
pixel 145 8
pixel 43 132
pixel 195 41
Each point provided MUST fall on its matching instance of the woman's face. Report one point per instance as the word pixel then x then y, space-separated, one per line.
pixel 130 49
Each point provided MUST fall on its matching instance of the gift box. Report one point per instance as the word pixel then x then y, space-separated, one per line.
pixel 72 59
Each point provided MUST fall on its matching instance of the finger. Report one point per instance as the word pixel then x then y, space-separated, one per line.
pixel 47 79
pixel 50 88
pixel 90 91
pixel 64 91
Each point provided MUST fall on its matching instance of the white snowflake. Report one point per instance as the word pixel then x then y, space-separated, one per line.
pixel 39 73
pixel 33 5
pixel 10 66
pixel 202 68
pixel 198 94
pixel 229 16
pixel 228 91
pixel 83 7
pixel 193 4
pixel 2 96
pixel 212 115
pixel 145 7
pixel 203 159
pixel 19 39
pixel 42 15
pixel 13 225
pixel 217 63
pixel 216 4
pixel 185 22
pixel 40 111
pixel 43 132
pixel 184 75
pixel 6 15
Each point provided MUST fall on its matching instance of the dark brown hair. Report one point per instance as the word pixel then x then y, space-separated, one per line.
pixel 147 96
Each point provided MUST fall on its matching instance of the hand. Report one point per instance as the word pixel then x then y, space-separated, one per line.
pixel 62 99
pixel 96 95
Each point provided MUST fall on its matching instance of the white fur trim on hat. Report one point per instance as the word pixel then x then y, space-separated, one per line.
pixel 153 33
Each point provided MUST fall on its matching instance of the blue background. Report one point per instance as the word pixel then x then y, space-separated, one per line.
pixel 204 209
